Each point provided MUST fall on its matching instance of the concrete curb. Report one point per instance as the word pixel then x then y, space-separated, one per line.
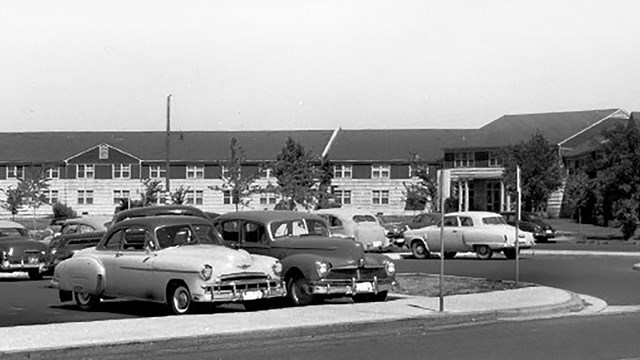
pixel 398 322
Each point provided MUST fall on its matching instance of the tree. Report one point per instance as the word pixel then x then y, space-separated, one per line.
pixel 298 177
pixel 418 195
pixel 152 187
pixel 13 201
pixel 540 170
pixel 234 180
pixel 179 196
pixel 619 176
pixel 32 186
pixel 63 211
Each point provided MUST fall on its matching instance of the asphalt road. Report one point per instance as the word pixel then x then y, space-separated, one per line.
pixel 611 278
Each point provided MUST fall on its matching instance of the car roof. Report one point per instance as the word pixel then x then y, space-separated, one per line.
pixel 157 221
pixel 97 222
pixel 473 213
pixel 269 215
pixel 344 212
pixel 159 210
pixel 11 224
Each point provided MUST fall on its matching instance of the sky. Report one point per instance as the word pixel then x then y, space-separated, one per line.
pixel 311 64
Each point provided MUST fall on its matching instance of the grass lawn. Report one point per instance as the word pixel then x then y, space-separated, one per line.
pixel 428 285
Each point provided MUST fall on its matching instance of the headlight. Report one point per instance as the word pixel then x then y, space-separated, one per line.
pixel 389 267
pixel 322 268
pixel 277 268
pixel 53 251
pixel 206 272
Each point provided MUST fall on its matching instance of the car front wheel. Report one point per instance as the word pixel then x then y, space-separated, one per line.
pixel 510 253
pixel 86 300
pixel 179 299
pixel 483 252
pixel 418 250
pixel 35 274
pixel 299 291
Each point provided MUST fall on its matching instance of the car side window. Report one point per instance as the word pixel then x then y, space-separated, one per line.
pixel 113 242
pixel 254 233
pixel 466 221
pixel 450 221
pixel 334 221
pixel 135 239
pixel 230 230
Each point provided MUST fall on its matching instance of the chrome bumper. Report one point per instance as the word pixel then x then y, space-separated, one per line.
pixel 266 290
pixel 353 287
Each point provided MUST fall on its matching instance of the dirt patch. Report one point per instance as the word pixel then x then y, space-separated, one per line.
pixel 429 285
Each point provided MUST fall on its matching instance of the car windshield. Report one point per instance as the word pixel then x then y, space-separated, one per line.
pixel 364 218
pixel 298 227
pixel 6 232
pixel 494 220
pixel 179 235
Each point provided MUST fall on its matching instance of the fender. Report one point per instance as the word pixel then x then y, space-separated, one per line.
pixel 88 274
pixel 305 262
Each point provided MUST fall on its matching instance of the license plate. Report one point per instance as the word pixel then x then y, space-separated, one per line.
pixel 364 287
pixel 252 295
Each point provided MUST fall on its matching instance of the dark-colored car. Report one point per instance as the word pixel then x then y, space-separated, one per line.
pixel 75 234
pixel 159 210
pixel 315 265
pixel 19 252
pixel 532 223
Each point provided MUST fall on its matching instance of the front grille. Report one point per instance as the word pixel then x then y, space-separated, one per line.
pixel 360 274
pixel 245 281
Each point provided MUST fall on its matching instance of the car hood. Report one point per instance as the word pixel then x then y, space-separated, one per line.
pixel 337 250
pixel 17 245
pixel 224 260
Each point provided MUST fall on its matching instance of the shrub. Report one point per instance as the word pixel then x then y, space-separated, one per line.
pixel 63 211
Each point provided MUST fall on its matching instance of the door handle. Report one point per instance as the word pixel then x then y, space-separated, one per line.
pixel 454 231
pixel 118 255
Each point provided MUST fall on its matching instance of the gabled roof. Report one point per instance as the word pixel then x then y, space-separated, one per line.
pixel 394 144
pixel 514 129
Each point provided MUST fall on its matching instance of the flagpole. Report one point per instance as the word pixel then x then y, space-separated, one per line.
pixel 441 279
pixel 518 199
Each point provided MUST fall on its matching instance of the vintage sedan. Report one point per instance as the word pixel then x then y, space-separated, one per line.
pixel 484 233
pixel 75 234
pixel 176 260
pixel 314 264
pixel 19 252
pixel 364 227
pixel 532 223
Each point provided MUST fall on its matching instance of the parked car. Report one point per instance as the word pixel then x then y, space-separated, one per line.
pixel 395 226
pixel 423 219
pixel 315 265
pixel 19 252
pixel 532 223
pixel 75 234
pixel 358 224
pixel 481 232
pixel 177 260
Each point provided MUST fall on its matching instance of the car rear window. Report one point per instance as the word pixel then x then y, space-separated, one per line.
pixel 364 218
pixel 494 220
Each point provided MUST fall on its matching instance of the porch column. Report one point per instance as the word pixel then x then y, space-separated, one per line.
pixel 460 194
pixel 466 195
pixel 503 206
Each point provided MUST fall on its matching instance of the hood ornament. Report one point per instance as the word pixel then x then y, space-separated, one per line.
pixel 361 262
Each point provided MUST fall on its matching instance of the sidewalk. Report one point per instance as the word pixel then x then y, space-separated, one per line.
pixel 48 341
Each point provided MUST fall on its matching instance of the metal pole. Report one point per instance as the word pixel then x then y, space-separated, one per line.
pixel 441 279
pixel 518 190
pixel 168 153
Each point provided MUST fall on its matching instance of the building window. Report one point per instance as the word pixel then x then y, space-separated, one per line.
pixel 85 171
pixel 85 197
pixel 103 152
pixel 121 195
pixel 268 199
pixel 494 159
pixel 463 159
pixel 226 197
pixel 53 172
pixel 122 171
pixel 380 197
pixel 15 172
pixel 380 171
pixel 342 196
pixel 415 171
pixel 157 171
pixel 343 171
pixel 195 197
pixel 266 172
pixel 50 196
pixel 195 172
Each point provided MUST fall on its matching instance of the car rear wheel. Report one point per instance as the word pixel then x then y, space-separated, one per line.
pixel 483 252
pixel 359 298
pixel 35 274
pixel 179 299
pixel 300 292
pixel 86 300
pixel 418 250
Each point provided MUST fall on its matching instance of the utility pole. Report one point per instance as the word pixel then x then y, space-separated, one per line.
pixel 168 153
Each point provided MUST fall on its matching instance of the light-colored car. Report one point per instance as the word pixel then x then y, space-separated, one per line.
pixel 19 252
pixel 176 260
pixel 484 233
pixel 361 225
